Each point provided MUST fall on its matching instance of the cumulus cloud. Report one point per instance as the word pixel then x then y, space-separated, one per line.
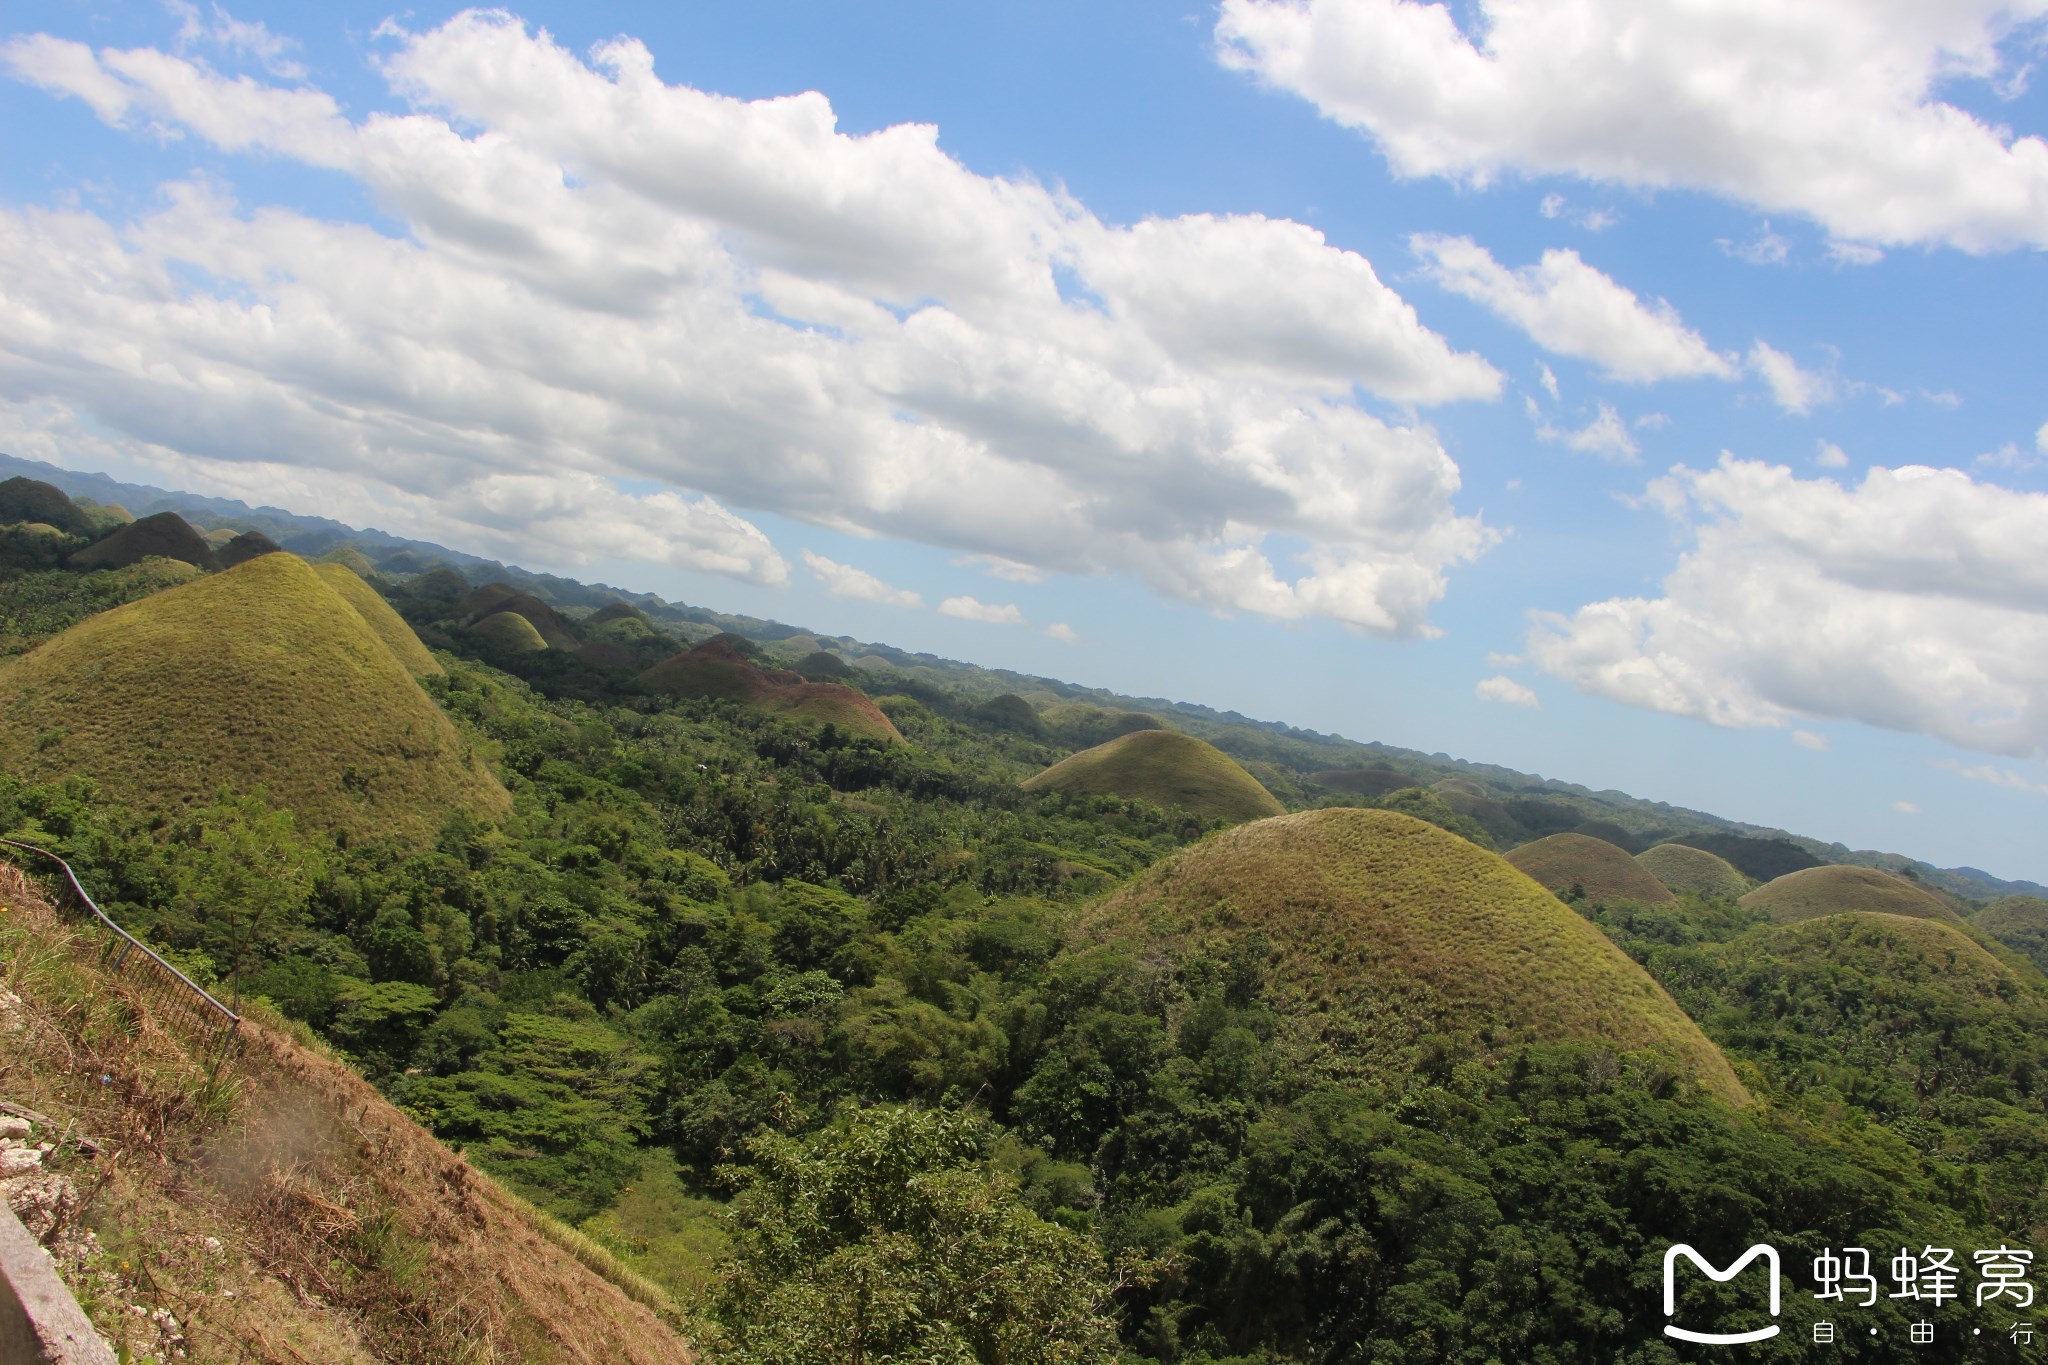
pixel 843 580
pixel 601 278
pixel 991 613
pixel 995 566
pixel 1570 308
pixel 1831 456
pixel 1063 632
pixel 1912 601
pixel 1827 109
pixel 1808 739
pixel 1793 389
pixel 1606 435
pixel 1506 690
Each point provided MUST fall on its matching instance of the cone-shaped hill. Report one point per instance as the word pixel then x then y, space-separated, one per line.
pixel 1572 865
pixel 244 548
pixel 166 535
pixel 508 633
pixel 1166 768
pixel 1755 857
pixel 1612 833
pixel 29 500
pixel 350 558
pixel 1837 889
pixel 378 616
pixel 262 676
pixel 493 598
pixel 1693 871
pixel 1386 930
pixel 719 670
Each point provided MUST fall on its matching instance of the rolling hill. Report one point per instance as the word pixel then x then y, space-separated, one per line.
pixel 244 548
pixel 507 632
pixel 32 500
pixel 1385 930
pixel 1758 858
pixel 1693 871
pixel 1165 768
pixel 259 676
pixel 1572 865
pixel 1835 890
pixel 2020 923
pixel 379 617
pixel 165 535
pixel 719 670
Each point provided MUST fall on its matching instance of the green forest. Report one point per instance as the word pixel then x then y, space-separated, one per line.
pixel 816 990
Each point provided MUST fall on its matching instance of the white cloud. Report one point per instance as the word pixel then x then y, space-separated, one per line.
pixel 1568 307
pixel 1905 808
pixel 1506 690
pixel 1826 109
pixel 1831 456
pixel 1793 389
pixel 1766 248
pixel 1606 435
pixel 1994 775
pixel 1063 632
pixel 843 580
pixel 603 279
pixel 1808 739
pixel 995 566
pixel 1913 601
pixel 995 614
pixel 238 37
pixel 1548 378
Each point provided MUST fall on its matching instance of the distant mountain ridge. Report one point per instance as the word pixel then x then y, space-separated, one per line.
pixel 1248 740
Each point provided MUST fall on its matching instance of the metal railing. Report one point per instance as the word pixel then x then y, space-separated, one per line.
pixel 168 992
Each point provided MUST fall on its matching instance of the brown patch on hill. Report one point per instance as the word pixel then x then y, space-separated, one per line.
pixel 166 535
pixel 1578 866
pixel 290 1214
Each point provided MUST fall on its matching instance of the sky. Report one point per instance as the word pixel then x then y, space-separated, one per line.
pixel 1645 394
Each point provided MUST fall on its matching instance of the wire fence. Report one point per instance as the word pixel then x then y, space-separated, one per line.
pixel 169 994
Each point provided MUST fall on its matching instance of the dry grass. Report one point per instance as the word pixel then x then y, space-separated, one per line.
pixel 1390 934
pixel 1914 949
pixel 378 616
pixel 1837 890
pixel 509 633
pixel 261 676
pixel 290 1215
pixel 1574 864
pixel 166 534
pixel 1165 768
pixel 1692 871
pixel 719 671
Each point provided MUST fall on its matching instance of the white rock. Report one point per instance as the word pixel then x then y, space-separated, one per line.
pixel 19 1160
pixel 12 1127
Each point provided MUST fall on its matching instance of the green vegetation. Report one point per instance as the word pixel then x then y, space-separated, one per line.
pixel 379 617
pixel 720 669
pixel 1167 769
pixel 1758 859
pixel 1362 781
pixel 1692 871
pixel 244 548
pixel 2020 923
pixel 261 677
pixel 1612 833
pixel 1579 867
pixel 32 500
pixel 1402 943
pixel 1080 725
pixel 350 558
pixel 35 606
pixel 1836 890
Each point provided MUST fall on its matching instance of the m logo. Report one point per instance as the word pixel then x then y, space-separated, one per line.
pixel 1770 1258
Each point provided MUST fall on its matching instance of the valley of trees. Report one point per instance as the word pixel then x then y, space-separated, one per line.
pixel 801 1021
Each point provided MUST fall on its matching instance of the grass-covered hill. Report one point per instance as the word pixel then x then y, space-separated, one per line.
pixel 377 614
pixel 507 632
pixel 290 1215
pixel 1581 867
pixel 244 548
pixel 32 500
pixel 350 558
pixel 1386 932
pixel 2020 923
pixel 721 670
pixel 1837 890
pixel 1165 768
pixel 1693 871
pixel 1759 859
pixel 259 676
pixel 165 535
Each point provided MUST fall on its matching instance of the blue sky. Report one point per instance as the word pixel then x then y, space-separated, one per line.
pixel 1650 400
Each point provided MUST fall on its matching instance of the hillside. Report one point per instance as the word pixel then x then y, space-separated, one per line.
pixel 258 676
pixel 1692 871
pixel 32 500
pixel 1579 866
pixel 1837 890
pixel 379 617
pixel 165 535
pixel 1165 768
pixel 244 548
pixel 291 1215
pixel 2020 923
pixel 1385 930
pixel 507 632
pixel 719 670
